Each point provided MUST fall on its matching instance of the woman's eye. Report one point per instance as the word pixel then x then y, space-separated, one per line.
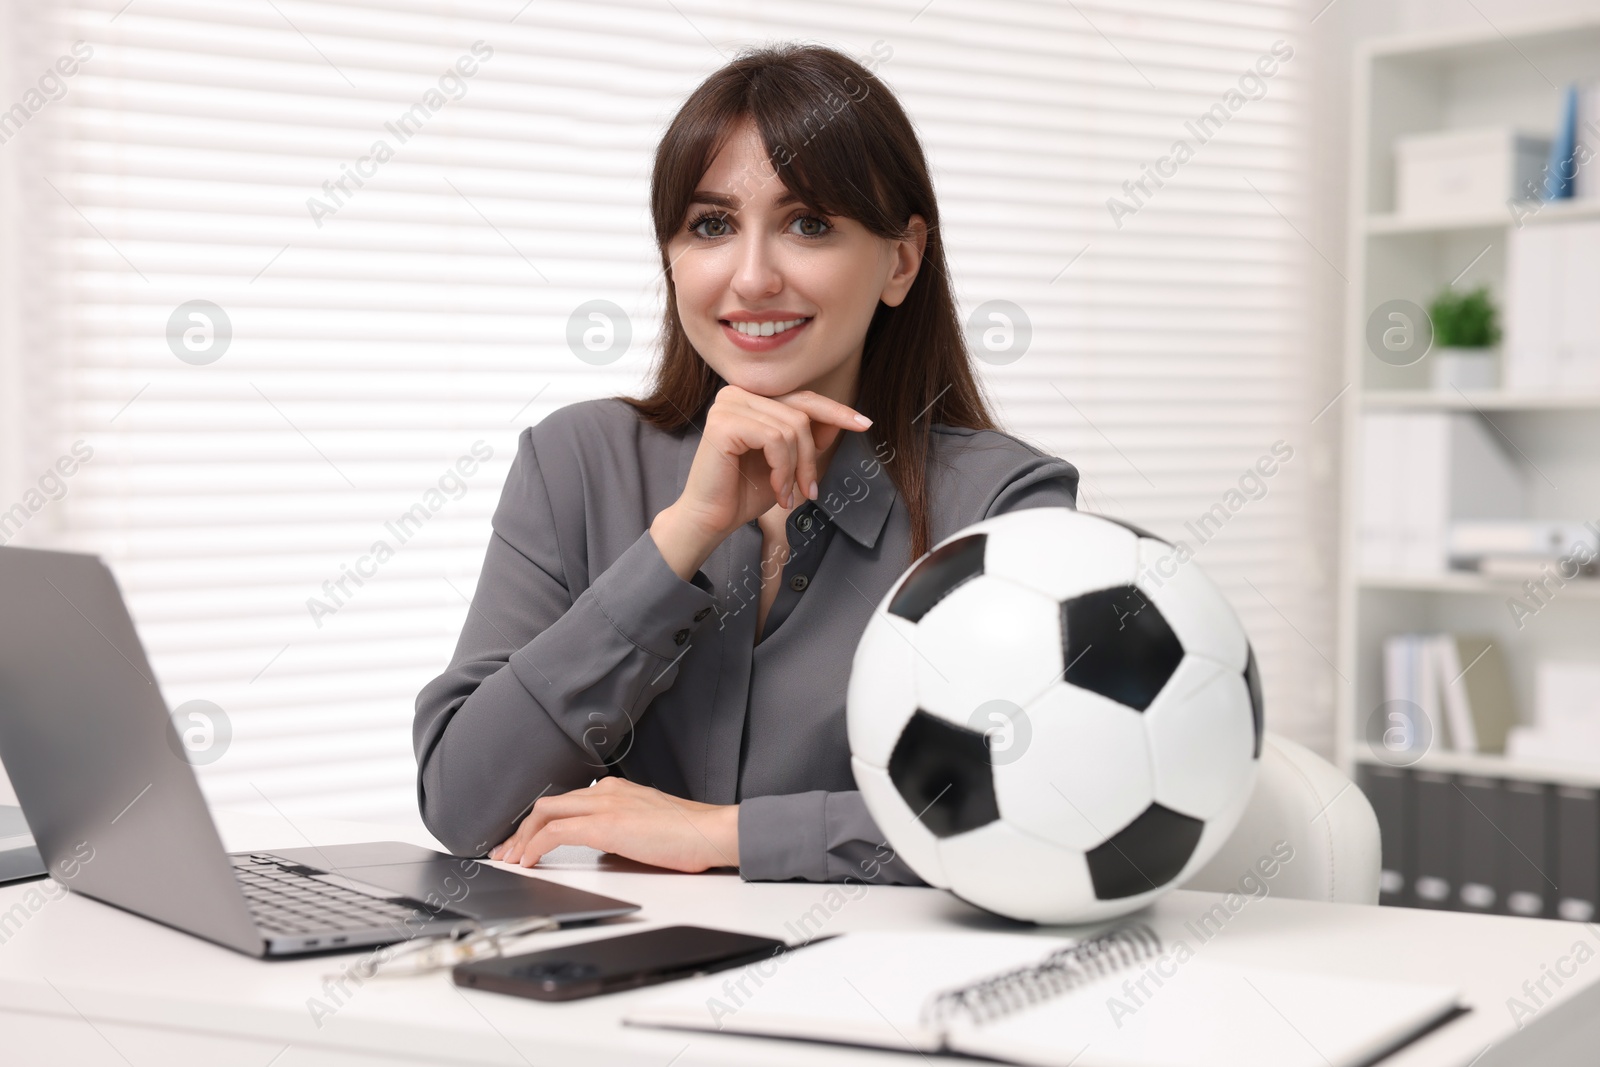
pixel 710 226
pixel 811 226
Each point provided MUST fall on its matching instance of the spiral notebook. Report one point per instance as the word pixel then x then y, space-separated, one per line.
pixel 1118 1000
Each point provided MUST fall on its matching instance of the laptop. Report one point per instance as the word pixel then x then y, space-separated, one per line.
pixel 117 813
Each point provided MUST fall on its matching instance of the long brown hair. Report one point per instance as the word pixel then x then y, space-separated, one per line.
pixel 840 141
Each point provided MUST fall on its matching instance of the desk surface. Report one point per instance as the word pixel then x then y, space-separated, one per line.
pixel 81 982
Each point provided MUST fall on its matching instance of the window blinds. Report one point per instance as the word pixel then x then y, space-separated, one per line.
pixel 306 269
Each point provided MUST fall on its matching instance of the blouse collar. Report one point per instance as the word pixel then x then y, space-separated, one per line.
pixel 856 492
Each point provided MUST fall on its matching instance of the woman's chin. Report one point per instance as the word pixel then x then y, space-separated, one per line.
pixel 769 381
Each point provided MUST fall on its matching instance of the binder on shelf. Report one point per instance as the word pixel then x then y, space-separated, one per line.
pixel 1449 678
pixel 1552 337
pixel 1529 887
pixel 1378 526
pixel 1402 684
pixel 1388 789
pixel 1480 859
pixel 1560 169
pixel 1434 884
pixel 1478 679
pixel 1420 472
pixel 1577 860
pixel 1588 139
pixel 1425 685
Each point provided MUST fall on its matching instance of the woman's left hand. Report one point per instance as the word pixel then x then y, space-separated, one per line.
pixel 632 820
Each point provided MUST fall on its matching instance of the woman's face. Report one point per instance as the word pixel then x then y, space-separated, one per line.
pixel 774 296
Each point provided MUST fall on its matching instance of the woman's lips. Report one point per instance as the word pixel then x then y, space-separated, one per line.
pixel 760 344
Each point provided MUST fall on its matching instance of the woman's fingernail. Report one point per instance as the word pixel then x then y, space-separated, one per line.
pixel 862 420
pixel 813 493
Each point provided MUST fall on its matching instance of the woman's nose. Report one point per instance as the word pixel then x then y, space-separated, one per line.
pixel 756 274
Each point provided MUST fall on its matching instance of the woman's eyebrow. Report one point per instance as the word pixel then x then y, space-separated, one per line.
pixel 732 203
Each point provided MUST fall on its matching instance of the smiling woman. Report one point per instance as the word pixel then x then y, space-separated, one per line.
pixel 810 347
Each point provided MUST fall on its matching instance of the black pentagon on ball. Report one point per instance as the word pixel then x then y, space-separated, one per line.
pixel 942 772
pixel 937 574
pixel 1116 643
pixel 1252 682
pixel 1144 855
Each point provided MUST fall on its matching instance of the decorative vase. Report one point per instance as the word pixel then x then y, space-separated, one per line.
pixel 1465 368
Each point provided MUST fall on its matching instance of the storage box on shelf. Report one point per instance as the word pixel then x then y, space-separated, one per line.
pixel 1441 173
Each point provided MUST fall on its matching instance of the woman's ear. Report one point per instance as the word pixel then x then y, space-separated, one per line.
pixel 907 261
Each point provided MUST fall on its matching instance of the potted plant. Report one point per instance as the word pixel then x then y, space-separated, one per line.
pixel 1466 327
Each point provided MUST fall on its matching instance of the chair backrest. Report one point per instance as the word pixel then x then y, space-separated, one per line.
pixel 1306 809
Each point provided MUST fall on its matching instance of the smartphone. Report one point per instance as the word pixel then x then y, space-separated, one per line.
pixel 590 968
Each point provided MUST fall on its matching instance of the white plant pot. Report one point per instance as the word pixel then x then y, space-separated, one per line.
pixel 1465 368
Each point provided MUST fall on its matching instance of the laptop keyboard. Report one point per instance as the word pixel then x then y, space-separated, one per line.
pixel 284 899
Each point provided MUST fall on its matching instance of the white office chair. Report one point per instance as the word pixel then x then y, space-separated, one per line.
pixel 1303 800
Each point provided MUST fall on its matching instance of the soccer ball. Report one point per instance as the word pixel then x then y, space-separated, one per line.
pixel 1051 719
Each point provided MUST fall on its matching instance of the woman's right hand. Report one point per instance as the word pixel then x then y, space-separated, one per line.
pixel 755 452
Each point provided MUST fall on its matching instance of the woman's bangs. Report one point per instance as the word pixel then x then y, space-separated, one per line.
pixel 820 157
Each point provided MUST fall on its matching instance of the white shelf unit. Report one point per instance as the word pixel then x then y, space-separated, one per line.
pixel 1420 83
pixel 1468 585
pixel 1487 400
pixel 1530 212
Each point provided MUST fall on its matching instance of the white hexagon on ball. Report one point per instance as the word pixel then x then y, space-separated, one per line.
pixel 1085 773
pixel 1013 655
pixel 1201 739
pixel 1060 555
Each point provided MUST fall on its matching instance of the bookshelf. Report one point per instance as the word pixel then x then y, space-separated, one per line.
pixel 1433 82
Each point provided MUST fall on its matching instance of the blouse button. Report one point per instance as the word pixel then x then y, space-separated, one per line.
pixel 799 582
pixel 680 637
pixel 702 613
pixel 804 522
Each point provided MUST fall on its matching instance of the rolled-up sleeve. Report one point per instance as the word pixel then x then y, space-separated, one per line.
pixel 824 836
pixel 543 685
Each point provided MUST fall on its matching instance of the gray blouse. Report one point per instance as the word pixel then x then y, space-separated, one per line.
pixel 584 654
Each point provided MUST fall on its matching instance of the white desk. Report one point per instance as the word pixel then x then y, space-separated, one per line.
pixel 83 983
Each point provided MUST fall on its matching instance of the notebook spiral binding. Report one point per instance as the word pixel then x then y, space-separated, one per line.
pixel 1060 972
